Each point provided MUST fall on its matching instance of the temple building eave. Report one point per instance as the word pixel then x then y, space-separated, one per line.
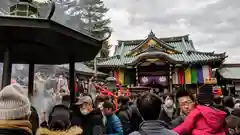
pixel 160 55
pixel 175 59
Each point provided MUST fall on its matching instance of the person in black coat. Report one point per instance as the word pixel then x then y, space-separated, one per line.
pixel 129 115
pixel 34 119
pixel 58 123
pixel 168 112
pixel 85 116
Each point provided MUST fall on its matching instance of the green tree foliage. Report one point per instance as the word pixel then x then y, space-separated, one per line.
pixel 93 15
pixel 89 17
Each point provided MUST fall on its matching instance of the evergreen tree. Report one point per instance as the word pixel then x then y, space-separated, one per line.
pixel 93 15
pixel 88 16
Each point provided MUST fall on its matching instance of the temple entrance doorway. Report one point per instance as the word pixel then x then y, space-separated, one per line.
pixel 154 75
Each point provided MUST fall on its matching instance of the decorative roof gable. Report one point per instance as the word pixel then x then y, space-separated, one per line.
pixel 152 42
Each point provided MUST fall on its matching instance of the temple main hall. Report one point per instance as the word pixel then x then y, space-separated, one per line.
pixel 161 63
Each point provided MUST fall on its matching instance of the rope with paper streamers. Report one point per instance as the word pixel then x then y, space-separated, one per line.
pixel 104 91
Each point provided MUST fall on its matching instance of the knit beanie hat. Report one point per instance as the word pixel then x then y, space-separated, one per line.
pixel 205 95
pixel 14 103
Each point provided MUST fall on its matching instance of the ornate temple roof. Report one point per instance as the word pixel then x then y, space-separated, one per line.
pixel 174 49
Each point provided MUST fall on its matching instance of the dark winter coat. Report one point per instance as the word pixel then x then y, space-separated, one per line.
pixel 164 117
pixel 76 116
pixel 177 121
pixel 34 119
pixel 130 118
pixel 136 118
pixel 154 127
pixel 125 114
pixel 221 107
pixel 87 122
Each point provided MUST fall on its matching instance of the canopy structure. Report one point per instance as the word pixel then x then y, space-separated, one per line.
pixel 43 41
pixel 31 40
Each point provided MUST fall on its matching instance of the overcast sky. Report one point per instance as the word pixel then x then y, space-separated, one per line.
pixel 213 25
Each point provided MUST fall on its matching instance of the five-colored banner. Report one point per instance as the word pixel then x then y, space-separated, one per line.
pixel 190 75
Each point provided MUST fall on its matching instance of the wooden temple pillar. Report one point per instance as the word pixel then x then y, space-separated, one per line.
pixel 30 79
pixel 7 67
pixel 72 78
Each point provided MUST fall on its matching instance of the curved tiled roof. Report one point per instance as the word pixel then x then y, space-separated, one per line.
pixel 230 72
pixel 187 58
pixel 167 39
pixel 189 55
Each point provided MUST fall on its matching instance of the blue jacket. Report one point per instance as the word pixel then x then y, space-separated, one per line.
pixel 114 125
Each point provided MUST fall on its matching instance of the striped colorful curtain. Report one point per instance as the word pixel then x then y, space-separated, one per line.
pixel 181 79
pixel 188 79
pixel 205 70
pixel 175 77
pixel 116 76
pixel 121 76
pixel 210 71
pixel 194 76
pixel 127 77
pixel 200 75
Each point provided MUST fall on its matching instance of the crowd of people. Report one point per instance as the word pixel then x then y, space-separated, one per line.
pixel 138 114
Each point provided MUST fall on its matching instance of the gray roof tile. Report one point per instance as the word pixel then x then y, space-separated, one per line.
pixel 230 72
pixel 182 44
pixel 80 67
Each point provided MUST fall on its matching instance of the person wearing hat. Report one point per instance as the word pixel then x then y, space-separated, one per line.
pixel 204 118
pixel 15 110
pixel 114 125
pixel 85 116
